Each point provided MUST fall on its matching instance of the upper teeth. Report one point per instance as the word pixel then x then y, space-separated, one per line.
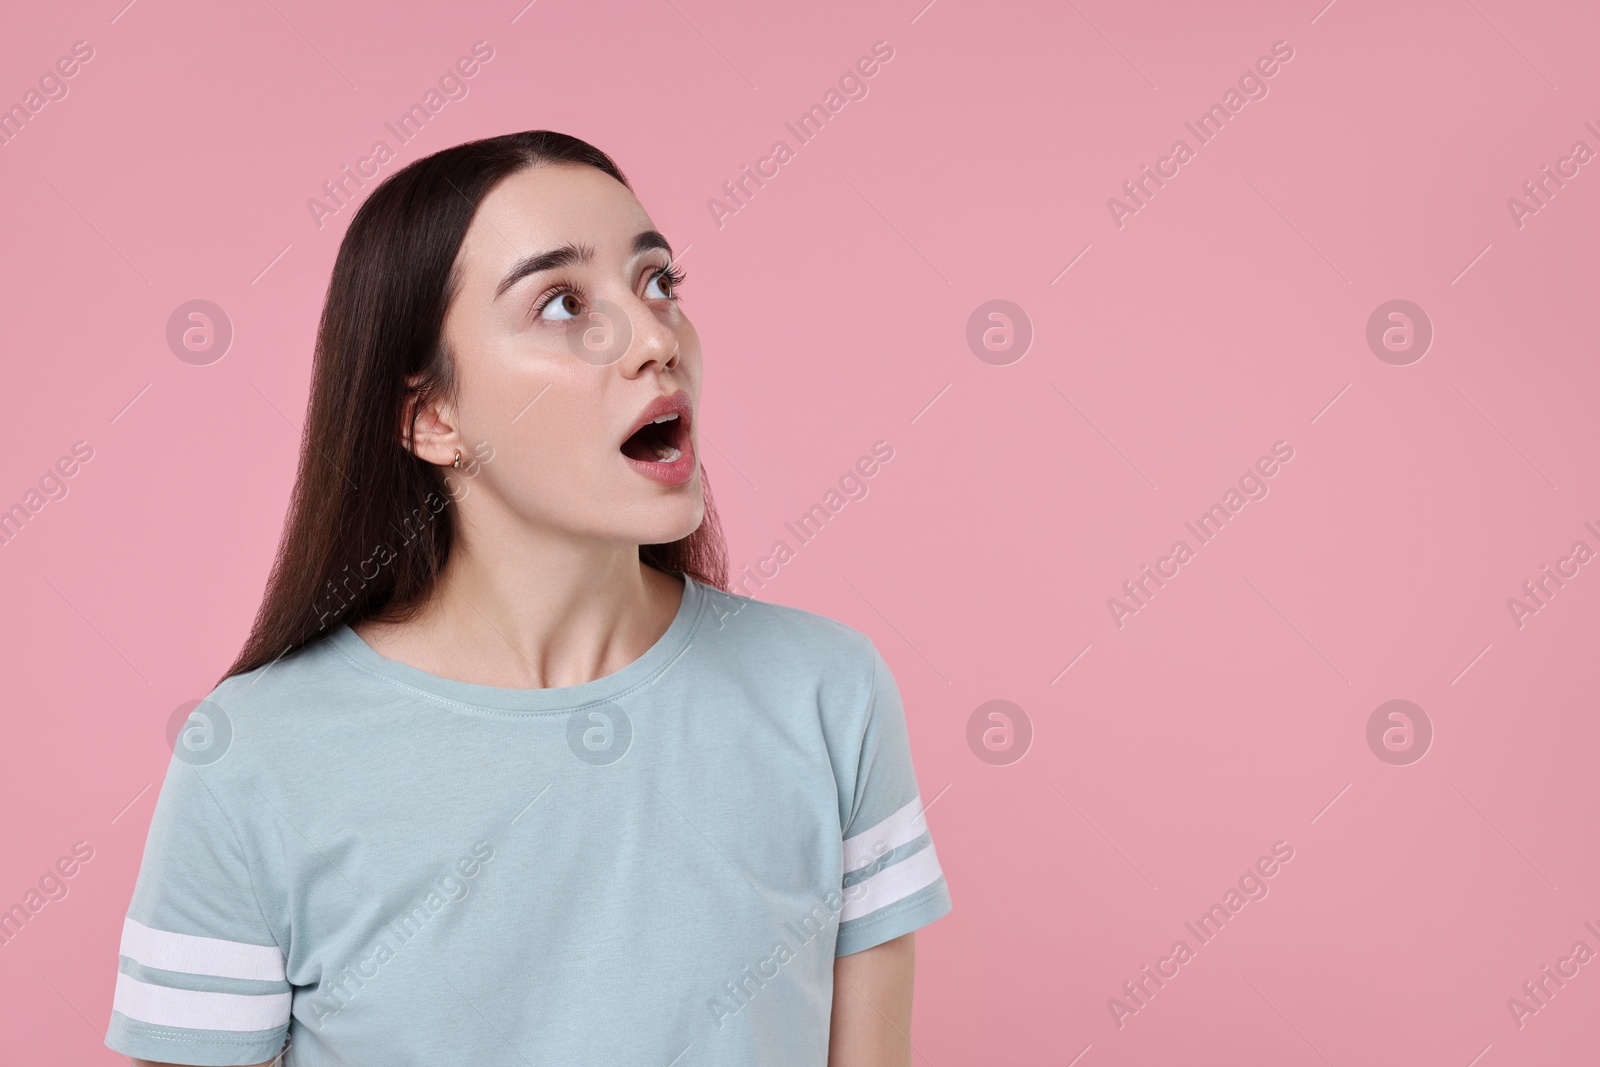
pixel 665 418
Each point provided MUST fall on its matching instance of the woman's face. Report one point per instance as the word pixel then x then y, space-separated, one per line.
pixel 566 334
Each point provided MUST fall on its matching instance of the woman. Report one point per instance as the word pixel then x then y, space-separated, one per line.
pixel 503 773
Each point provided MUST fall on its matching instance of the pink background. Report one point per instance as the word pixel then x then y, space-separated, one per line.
pixel 1229 313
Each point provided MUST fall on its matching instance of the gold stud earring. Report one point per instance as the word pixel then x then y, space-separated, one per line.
pixel 457 463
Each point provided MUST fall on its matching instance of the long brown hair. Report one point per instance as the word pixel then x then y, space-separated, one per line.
pixel 368 529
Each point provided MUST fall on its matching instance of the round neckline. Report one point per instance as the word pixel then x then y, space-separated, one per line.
pixel 659 655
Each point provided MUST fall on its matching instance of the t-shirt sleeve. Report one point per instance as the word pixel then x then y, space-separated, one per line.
pixel 201 976
pixel 892 881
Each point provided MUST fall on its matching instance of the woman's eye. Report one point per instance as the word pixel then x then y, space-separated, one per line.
pixel 663 285
pixel 563 302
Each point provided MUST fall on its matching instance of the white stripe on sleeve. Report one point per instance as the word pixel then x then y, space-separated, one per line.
pixel 894 883
pixel 907 824
pixel 189 954
pixel 165 1006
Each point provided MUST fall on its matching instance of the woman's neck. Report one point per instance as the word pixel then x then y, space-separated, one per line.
pixel 528 623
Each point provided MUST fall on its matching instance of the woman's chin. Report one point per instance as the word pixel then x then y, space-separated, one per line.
pixel 672 520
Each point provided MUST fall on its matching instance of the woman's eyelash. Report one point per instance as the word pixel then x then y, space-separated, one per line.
pixel 557 290
pixel 673 276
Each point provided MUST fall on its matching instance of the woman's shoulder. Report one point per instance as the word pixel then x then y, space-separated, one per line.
pixel 782 632
pixel 276 693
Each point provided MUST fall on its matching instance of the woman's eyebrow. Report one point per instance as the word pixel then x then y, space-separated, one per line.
pixel 571 253
pixel 651 239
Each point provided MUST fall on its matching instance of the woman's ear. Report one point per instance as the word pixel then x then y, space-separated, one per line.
pixel 435 440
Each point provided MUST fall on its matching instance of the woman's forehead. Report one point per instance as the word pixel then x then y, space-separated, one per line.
pixel 542 207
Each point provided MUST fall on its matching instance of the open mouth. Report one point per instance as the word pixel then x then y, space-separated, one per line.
pixel 660 441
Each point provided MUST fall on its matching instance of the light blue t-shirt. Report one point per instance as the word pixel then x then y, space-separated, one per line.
pixel 657 867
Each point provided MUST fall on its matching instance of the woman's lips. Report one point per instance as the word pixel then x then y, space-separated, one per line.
pixel 661 444
pixel 674 465
pixel 677 403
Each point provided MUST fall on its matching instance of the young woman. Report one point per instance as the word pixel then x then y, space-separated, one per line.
pixel 504 774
